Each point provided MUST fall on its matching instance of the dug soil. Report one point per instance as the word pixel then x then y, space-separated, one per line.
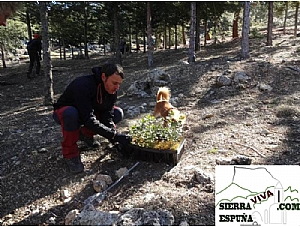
pixel 222 122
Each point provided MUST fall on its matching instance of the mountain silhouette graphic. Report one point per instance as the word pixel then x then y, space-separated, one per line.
pixel 254 179
pixel 227 194
pixel 247 182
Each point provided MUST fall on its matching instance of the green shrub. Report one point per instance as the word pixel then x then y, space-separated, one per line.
pixel 161 134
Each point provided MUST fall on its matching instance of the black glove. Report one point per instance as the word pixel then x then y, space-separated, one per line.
pixel 123 139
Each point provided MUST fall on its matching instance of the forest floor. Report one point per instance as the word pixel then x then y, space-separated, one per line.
pixel 222 122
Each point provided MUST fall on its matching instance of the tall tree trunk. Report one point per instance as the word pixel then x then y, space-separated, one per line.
pixel 175 37
pixel 183 35
pixel 60 51
pixel 165 36
pixel 144 42
pixel 296 19
pixel 3 56
pixel 169 37
pixel 130 39
pixel 117 33
pixel 48 82
pixel 205 31
pixel 192 56
pixel 285 16
pixel 149 36
pixel 235 33
pixel 270 24
pixel 245 31
pixel 215 34
pixel 137 42
pixel 28 25
pixel 86 52
pixel 197 40
pixel 64 49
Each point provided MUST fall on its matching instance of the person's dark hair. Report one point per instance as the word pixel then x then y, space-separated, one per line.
pixel 110 69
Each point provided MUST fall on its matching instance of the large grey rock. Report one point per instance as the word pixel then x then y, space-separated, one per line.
pixel 154 79
pixel 223 81
pixel 158 75
pixel 138 88
pixel 240 77
pixel 139 217
pixel 264 87
pixel 91 216
pixel 101 182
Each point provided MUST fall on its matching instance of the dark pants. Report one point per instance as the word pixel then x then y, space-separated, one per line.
pixel 68 118
pixel 34 57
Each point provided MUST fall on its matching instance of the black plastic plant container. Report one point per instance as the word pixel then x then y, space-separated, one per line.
pixel 154 155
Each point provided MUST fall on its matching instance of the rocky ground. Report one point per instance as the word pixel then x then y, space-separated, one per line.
pixel 257 117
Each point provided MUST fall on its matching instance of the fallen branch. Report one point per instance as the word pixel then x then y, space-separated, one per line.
pixel 99 197
pixel 244 145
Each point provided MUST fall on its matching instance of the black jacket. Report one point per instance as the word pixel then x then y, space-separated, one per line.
pixel 88 95
pixel 34 47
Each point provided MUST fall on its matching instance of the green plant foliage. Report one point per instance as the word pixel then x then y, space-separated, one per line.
pixel 12 34
pixel 161 134
pixel 213 150
pixel 255 33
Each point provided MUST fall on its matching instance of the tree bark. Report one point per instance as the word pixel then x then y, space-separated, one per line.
pixel 192 56
pixel 235 33
pixel 197 39
pixel 3 56
pixel 296 19
pixel 130 39
pixel 205 31
pixel 175 37
pixel 149 36
pixel 86 52
pixel 270 24
pixel 117 33
pixel 183 35
pixel 64 49
pixel 28 25
pixel 245 31
pixel 48 82
pixel 285 16
pixel 169 37
pixel 144 42
pixel 165 36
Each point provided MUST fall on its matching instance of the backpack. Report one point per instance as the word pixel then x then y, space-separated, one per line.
pixel 32 46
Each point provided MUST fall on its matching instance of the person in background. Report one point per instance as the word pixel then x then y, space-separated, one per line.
pixel 34 48
pixel 123 46
pixel 87 107
pixel 7 9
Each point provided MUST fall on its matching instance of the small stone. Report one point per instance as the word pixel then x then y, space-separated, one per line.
pixel 106 178
pixel 99 185
pixel 65 194
pixel 222 161
pixel 52 220
pixel 241 160
pixel 208 116
pixel 71 217
pixel 42 150
pixel 121 172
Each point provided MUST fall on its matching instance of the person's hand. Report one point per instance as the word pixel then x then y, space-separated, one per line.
pixel 123 139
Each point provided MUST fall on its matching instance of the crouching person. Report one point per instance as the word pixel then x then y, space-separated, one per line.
pixel 87 107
